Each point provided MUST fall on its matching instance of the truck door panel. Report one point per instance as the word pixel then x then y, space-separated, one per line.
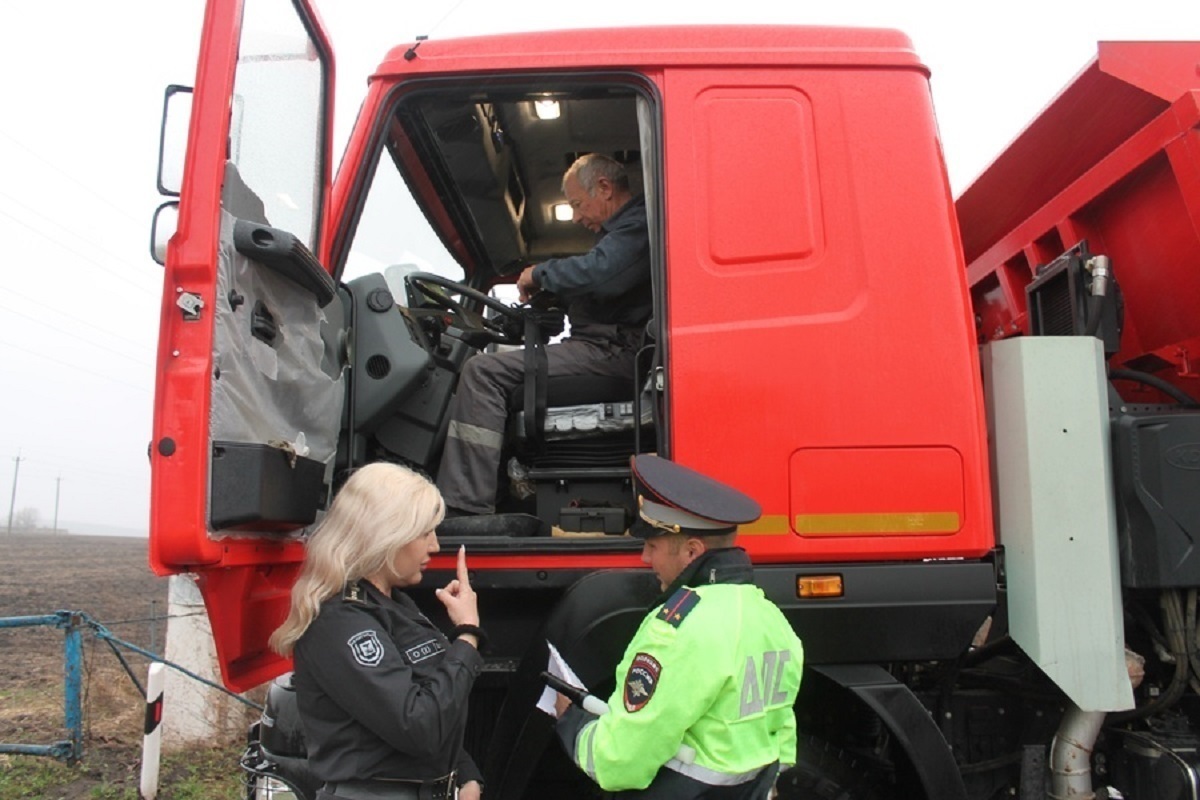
pixel 804 287
pixel 249 395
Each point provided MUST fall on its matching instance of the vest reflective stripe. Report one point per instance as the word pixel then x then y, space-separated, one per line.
pixel 710 776
pixel 588 735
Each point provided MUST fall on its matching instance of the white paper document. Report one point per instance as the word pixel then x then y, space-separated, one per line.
pixel 559 669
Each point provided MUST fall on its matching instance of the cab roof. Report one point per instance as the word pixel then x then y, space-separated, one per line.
pixel 665 45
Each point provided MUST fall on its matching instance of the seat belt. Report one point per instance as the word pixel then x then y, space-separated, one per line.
pixel 536 369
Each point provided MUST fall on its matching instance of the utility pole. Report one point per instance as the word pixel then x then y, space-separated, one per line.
pixel 13 502
pixel 57 487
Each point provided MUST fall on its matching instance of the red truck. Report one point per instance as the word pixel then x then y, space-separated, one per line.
pixel 978 473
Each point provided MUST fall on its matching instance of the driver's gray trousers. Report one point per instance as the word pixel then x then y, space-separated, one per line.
pixel 469 472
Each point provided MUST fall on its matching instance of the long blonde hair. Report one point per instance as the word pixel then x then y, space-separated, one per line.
pixel 381 508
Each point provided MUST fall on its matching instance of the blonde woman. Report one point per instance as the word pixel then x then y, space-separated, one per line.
pixel 382 692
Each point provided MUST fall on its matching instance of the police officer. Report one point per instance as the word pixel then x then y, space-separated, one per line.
pixel 382 693
pixel 703 704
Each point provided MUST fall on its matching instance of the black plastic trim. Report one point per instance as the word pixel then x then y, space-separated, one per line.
pixel 287 255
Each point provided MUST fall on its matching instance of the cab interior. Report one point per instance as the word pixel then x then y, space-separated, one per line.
pixel 484 167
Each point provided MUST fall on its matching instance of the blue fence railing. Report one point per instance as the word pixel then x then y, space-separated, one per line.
pixel 73 623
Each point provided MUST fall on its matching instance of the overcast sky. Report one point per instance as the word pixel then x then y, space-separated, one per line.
pixel 82 96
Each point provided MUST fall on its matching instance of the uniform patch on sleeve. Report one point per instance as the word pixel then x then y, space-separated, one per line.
pixel 367 649
pixel 641 681
pixel 419 652
pixel 678 606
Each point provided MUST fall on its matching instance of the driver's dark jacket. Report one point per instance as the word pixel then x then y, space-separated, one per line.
pixel 382 693
pixel 609 284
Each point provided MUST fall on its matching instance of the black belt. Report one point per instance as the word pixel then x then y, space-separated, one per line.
pixel 394 789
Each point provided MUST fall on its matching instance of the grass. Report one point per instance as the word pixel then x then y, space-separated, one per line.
pixel 114 774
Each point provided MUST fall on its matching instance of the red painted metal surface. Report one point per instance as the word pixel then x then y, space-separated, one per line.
pixel 239 578
pixel 1115 160
pixel 820 344
pixel 845 330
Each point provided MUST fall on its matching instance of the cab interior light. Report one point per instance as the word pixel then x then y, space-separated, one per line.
pixel 547 109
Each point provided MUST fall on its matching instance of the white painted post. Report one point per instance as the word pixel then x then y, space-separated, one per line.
pixel 197 714
pixel 152 731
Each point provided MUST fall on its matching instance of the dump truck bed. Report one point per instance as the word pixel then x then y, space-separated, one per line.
pixel 1114 161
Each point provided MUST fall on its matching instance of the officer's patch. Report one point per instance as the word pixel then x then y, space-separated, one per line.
pixel 419 652
pixel 678 606
pixel 641 681
pixel 367 649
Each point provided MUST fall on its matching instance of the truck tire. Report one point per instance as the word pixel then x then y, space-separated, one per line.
pixel 826 772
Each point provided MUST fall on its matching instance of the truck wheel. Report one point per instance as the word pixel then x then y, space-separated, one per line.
pixel 827 772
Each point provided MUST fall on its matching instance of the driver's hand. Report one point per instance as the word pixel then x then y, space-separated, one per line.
pixel 526 286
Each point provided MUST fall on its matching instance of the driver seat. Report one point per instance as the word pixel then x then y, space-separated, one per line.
pixel 578 459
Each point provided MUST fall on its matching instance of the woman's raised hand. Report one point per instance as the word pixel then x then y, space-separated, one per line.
pixel 458 597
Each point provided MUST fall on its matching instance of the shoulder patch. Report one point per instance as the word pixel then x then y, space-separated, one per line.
pixel 366 647
pixel 641 681
pixel 677 606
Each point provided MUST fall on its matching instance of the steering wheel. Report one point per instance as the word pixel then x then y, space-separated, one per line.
pixel 508 328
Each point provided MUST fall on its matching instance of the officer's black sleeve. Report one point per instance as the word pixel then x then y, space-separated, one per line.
pixel 570 724
pixel 467 770
pixel 375 685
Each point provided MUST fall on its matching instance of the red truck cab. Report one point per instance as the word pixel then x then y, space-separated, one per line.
pixel 813 342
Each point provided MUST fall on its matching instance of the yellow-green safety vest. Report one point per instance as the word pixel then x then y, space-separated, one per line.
pixel 706 688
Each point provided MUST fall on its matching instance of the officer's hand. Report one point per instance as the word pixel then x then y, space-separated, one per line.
pixel 471 790
pixel 561 704
pixel 458 597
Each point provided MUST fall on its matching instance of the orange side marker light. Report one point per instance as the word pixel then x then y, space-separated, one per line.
pixel 819 586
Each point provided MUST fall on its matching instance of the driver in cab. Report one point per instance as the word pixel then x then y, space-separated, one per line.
pixel 608 296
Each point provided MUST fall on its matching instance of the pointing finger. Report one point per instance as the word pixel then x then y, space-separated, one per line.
pixel 462 566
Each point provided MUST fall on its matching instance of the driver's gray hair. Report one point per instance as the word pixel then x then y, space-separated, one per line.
pixel 590 168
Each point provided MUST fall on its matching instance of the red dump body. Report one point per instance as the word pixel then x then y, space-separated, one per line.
pixel 1113 160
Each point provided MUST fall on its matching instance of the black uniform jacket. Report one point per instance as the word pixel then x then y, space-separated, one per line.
pixel 382 693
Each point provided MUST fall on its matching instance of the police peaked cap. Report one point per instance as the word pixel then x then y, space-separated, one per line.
pixel 674 499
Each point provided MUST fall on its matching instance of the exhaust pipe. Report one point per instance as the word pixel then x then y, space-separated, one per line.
pixel 1071 754
pixel 1071 750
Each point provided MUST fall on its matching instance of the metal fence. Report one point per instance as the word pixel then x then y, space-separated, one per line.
pixel 74 624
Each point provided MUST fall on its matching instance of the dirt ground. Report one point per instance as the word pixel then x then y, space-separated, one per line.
pixel 109 579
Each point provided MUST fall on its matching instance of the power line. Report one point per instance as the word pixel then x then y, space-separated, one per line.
pixel 61 460
pixel 75 367
pixel 115 480
pixel 77 337
pixel 85 323
pixel 88 242
pixel 74 179
pixel 75 252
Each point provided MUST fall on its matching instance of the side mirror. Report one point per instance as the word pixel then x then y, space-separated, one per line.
pixel 172 141
pixel 162 228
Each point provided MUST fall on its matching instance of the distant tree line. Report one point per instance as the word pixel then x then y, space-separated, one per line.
pixel 27 519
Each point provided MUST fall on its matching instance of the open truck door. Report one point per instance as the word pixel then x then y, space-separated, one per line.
pixel 250 390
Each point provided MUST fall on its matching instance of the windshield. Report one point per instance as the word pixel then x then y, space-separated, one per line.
pixel 393 236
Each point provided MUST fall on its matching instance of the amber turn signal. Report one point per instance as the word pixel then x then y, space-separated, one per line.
pixel 819 586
